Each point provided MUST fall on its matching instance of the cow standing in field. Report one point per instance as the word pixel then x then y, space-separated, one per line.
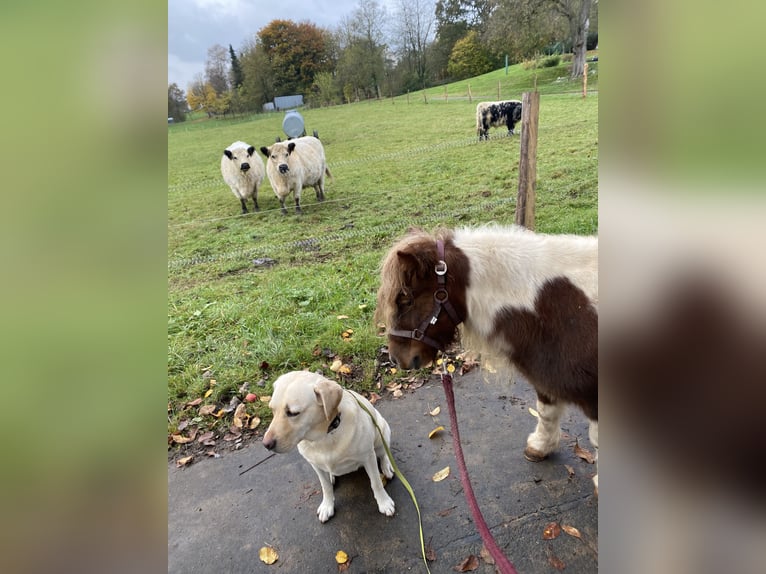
pixel 496 114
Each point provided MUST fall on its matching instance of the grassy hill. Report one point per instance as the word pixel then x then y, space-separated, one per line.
pixel 252 296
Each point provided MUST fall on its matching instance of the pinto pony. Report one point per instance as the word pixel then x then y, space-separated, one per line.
pixel 528 298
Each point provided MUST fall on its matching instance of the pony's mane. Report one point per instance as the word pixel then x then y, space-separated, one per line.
pixel 417 242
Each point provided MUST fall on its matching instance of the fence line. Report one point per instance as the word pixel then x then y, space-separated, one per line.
pixel 309 242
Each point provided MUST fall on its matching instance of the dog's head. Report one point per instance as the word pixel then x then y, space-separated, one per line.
pixel 303 404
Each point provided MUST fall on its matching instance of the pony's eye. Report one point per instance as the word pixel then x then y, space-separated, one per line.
pixel 290 413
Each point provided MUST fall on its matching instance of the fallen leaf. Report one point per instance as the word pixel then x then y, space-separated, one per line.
pixel 240 416
pixel 467 565
pixel 341 317
pixel 534 413
pixel 551 531
pixel 205 410
pixel 180 439
pixel 435 431
pixel 268 555
pixel 341 557
pixel 570 470
pixel 486 556
pixel 208 393
pixel 556 562
pixel 584 454
pixel 441 475
pixel 206 437
pixel 571 530
pixel 184 461
pixel 194 403
pixel 254 422
pixel 336 365
pixel 435 412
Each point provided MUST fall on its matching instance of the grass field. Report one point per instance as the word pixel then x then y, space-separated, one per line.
pixel 253 296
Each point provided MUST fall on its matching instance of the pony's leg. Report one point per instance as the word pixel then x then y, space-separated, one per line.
pixel 593 435
pixel 546 437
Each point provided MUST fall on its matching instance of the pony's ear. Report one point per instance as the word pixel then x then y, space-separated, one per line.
pixel 410 265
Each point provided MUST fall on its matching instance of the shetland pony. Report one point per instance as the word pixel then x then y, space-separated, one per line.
pixel 528 298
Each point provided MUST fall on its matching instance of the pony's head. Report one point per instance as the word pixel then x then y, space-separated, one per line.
pixel 421 314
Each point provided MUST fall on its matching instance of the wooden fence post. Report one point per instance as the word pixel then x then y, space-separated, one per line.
pixel 525 202
pixel 585 80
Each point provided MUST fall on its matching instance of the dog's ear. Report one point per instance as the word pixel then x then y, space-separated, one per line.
pixel 328 394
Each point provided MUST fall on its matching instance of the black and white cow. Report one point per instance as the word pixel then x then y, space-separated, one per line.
pixel 496 114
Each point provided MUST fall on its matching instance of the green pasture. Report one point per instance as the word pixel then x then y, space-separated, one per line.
pixel 253 296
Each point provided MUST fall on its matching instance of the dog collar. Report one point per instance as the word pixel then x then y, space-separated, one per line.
pixel 334 424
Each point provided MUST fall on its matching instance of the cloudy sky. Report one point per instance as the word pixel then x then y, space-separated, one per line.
pixel 196 25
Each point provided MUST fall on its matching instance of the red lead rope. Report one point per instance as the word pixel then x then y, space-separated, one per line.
pixel 501 562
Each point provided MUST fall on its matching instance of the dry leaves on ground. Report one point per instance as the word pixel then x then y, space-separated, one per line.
pixel 551 531
pixel 469 564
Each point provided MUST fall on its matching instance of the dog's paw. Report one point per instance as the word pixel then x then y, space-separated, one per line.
pixel 386 506
pixel 325 512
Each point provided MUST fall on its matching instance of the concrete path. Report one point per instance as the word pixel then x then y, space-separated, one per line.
pixel 219 517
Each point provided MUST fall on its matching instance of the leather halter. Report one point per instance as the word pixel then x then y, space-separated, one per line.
pixel 441 301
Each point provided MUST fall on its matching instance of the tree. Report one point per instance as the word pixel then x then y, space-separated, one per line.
pixel 577 13
pixel 237 78
pixel 414 26
pixel 217 68
pixel 468 58
pixel 176 103
pixel 295 53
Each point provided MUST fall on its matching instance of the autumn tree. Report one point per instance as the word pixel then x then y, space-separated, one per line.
pixel 468 58
pixel 295 54
pixel 176 103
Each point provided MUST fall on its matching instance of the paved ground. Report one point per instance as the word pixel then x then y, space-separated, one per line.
pixel 219 517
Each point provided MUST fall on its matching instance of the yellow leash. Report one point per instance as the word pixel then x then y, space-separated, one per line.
pixel 400 476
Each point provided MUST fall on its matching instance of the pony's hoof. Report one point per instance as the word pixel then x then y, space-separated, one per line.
pixel 534 455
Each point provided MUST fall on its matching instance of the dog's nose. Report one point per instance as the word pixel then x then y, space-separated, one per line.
pixel 283 168
pixel 245 166
pixel 269 443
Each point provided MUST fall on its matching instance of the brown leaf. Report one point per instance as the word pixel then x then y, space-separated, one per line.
pixel 180 439
pixel 584 454
pixel 486 556
pixel 571 530
pixel 430 552
pixel 206 438
pixel 551 531
pixel 467 565
pixel 570 470
pixel 205 410
pixel 184 461
pixel 556 562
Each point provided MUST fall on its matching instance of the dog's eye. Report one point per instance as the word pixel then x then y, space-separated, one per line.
pixel 290 413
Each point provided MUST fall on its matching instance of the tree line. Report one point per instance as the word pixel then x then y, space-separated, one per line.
pixel 375 53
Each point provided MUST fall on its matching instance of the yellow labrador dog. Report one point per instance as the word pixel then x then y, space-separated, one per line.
pixel 331 431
